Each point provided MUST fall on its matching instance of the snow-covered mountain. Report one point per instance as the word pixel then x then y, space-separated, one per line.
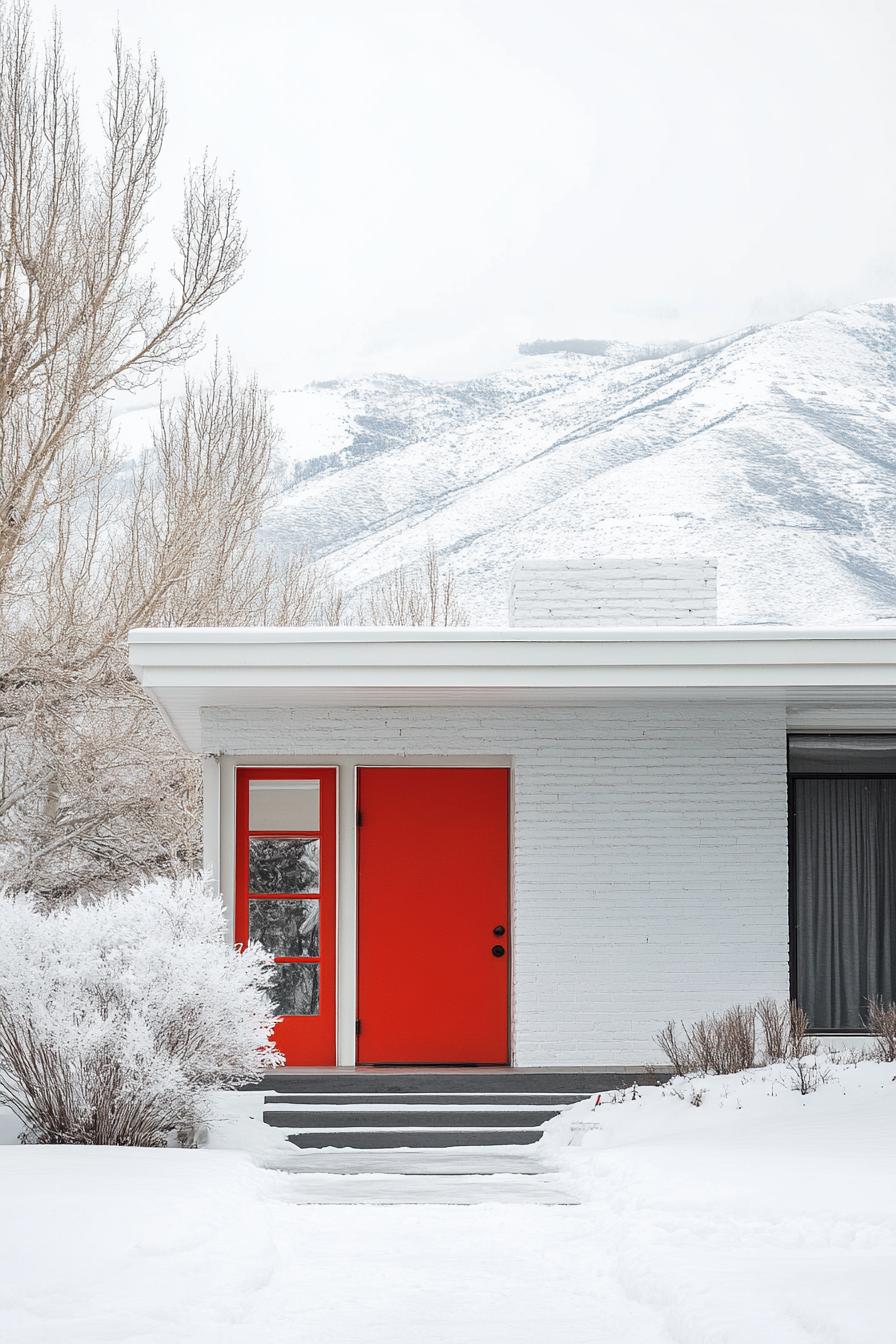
pixel 773 450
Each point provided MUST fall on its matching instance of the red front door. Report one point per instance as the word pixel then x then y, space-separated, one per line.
pixel 286 899
pixel 432 916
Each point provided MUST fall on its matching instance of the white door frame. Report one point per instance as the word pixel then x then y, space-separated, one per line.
pixel 219 844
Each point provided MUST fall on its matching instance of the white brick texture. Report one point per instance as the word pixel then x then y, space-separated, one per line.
pixel 608 592
pixel 649 864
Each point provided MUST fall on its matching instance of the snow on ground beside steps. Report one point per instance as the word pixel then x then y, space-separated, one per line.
pixel 759 1215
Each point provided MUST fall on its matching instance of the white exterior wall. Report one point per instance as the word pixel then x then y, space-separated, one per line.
pixel 590 594
pixel 649 865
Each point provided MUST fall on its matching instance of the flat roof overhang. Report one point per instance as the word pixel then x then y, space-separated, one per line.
pixel 187 669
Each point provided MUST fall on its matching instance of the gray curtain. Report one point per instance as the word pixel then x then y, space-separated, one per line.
pixel 844 855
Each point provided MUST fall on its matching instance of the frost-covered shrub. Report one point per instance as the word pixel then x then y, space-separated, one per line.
pixel 118 1018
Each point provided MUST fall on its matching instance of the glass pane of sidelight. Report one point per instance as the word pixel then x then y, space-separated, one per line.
pixel 286 928
pixel 284 805
pixel 283 866
pixel 295 989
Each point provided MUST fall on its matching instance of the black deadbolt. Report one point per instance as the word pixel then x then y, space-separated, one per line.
pixel 499 930
pixel 497 950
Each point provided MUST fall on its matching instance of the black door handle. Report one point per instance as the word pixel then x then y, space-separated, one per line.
pixel 497 950
pixel 499 930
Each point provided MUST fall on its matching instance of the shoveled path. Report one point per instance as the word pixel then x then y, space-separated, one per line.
pixel 414 1136
pixel 422 1176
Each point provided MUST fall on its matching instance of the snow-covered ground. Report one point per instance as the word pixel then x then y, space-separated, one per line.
pixel 756 1215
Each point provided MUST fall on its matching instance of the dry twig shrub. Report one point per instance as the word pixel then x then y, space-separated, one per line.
pixel 727 1042
pixel 880 1019
pixel 784 1028
pixel 806 1075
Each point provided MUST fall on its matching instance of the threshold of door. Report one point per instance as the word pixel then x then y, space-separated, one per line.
pixel 430 1064
pixel 632 1072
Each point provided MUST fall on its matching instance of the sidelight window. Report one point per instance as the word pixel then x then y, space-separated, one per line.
pixel 283 884
pixel 290 865
pixel 284 805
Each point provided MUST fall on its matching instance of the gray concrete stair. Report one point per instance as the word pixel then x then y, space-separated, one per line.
pixel 344 1101
pixel 569 1082
pixel 438 1163
pixel 409 1109
pixel 368 1137
pixel 396 1117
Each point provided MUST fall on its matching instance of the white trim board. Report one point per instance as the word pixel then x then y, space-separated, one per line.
pixel 185 670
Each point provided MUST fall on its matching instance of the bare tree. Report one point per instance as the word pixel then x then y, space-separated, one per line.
pixel 93 792
pixel 81 316
pixel 421 594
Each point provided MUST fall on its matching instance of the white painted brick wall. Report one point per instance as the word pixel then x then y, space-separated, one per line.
pixel 649 853
pixel 608 592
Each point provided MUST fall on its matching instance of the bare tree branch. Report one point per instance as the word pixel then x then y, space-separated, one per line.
pixel 422 594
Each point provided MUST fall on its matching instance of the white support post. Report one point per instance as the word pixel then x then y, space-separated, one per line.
pixel 346 924
pixel 211 819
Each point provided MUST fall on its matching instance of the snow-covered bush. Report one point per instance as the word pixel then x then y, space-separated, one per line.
pixel 119 1017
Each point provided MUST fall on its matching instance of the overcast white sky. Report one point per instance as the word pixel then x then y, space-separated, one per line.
pixel 427 184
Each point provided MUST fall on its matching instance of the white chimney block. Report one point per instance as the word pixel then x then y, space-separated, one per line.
pixel 586 594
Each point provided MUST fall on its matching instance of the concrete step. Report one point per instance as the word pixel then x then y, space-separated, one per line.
pixel 384 1081
pixel 390 1117
pixel 501 1100
pixel 425 1189
pixel 369 1137
pixel 486 1161
pixel 402 1109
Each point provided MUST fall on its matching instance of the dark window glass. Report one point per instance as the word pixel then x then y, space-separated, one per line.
pixel 283 865
pixel 286 928
pixel 295 989
pixel 842 754
pixel 843 850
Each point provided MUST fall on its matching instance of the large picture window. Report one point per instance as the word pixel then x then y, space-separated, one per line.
pixel 843 875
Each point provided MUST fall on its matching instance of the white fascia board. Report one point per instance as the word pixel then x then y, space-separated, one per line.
pixel 403 634
pixel 275 657
pixel 185 669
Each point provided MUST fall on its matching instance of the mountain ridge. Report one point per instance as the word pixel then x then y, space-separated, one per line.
pixel 772 449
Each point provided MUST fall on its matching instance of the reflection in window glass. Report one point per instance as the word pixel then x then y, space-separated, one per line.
pixel 283 866
pixel 286 928
pixel 842 754
pixel 284 805
pixel 295 989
